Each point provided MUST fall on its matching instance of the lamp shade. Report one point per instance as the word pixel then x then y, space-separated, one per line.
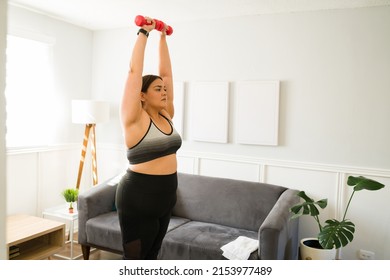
pixel 90 111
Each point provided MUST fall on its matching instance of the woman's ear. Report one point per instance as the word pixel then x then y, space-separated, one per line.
pixel 142 96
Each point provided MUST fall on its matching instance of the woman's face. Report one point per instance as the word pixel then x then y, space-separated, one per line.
pixel 156 95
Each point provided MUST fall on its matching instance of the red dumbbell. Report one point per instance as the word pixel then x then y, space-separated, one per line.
pixel 140 21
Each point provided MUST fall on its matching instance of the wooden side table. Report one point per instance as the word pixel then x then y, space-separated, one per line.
pixel 34 238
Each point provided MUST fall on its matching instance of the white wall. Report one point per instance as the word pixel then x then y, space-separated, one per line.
pixel 3 29
pixel 36 177
pixel 333 67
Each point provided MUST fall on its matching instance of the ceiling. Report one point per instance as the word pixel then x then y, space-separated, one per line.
pixel 106 14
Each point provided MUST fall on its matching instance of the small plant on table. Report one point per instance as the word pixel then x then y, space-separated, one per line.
pixel 71 196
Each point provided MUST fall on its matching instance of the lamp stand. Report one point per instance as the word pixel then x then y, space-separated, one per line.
pixel 88 129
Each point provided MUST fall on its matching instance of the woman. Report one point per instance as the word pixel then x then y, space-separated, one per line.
pixel 147 192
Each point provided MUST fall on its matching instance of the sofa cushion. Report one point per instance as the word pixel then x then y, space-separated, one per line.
pixel 104 230
pixel 201 241
pixel 176 222
pixel 229 202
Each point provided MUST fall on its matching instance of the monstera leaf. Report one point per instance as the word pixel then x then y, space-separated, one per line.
pixel 308 207
pixel 336 234
pixel 362 183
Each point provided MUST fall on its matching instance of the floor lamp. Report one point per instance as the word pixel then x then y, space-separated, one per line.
pixel 90 113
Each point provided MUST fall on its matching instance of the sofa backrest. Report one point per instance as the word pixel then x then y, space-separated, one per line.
pixel 229 202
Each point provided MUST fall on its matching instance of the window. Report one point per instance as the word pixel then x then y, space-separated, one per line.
pixel 28 92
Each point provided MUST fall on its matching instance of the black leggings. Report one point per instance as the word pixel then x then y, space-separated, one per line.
pixel 144 203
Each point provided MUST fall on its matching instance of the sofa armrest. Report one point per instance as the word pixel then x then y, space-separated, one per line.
pixel 95 201
pixel 278 235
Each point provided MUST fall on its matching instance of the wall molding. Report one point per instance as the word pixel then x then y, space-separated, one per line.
pixel 264 163
pixel 197 157
pixel 42 149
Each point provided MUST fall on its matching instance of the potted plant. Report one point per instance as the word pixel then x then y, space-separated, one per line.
pixel 70 196
pixel 333 234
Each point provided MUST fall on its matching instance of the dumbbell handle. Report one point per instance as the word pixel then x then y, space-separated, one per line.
pixel 141 20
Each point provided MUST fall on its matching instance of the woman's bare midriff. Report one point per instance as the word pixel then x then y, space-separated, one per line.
pixel 161 166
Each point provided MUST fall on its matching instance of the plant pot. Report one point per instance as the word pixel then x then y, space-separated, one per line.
pixel 71 206
pixel 311 250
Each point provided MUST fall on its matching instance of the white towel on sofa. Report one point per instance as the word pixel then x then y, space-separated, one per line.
pixel 240 249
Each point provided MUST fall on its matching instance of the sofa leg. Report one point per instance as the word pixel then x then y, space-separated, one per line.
pixel 86 250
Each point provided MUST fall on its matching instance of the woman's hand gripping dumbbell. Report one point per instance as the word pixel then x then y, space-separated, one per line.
pixel 141 20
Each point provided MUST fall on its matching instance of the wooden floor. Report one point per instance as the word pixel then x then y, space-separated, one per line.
pixel 94 255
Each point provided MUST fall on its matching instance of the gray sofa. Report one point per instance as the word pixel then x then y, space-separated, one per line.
pixel 209 213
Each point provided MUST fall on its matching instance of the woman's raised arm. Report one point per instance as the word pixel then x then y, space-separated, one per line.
pixel 165 72
pixel 131 106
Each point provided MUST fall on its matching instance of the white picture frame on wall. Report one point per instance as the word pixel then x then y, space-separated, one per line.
pixel 209 111
pixel 257 110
